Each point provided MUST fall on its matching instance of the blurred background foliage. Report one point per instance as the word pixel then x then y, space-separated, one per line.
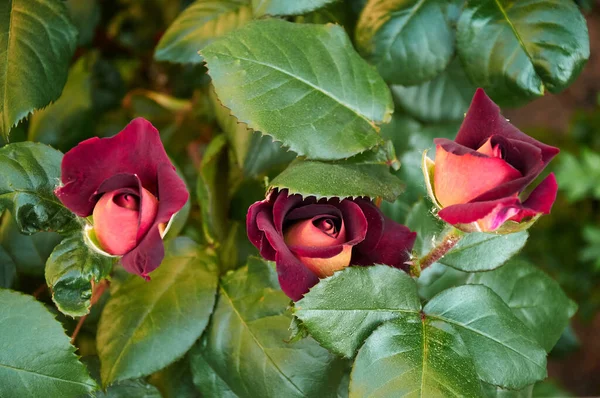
pixel 115 77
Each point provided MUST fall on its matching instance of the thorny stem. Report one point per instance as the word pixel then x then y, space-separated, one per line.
pixel 97 292
pixel 439 251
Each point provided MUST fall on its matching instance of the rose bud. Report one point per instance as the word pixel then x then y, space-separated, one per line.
pixel 476 179
pixel 131 188
pixel 310 239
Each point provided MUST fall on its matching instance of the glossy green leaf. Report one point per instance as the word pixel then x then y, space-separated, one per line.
pixel 212 189
pixel 30 172
pixel 275 79
pixel 85 14
pixel 286 7
pixel 516 50
pixel 343 179
pixel 199 25
pixel 341 321
pixel 28 252
pixel 445 98
pixel 414 357
pixel 36 359
pixel 437 277
pixel 176 381
pixel 37 40
pixel 70 270
pixel 478 251
pixel 504 350
pixel 535 298
pixel 245 344
pixel 410 41
pixel 8 269
pixel 147 325
pixel 205 378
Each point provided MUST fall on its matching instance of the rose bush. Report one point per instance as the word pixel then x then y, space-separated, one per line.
pixel 476 179
pixel 130 187
pixel 311 239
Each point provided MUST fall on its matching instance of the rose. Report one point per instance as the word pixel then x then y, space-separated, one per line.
pixel 130 187
pixel 310 239
pixel 476 179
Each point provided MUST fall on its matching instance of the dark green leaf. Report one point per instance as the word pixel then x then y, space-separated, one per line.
pixel 176 381
pixel 212 189
pixel 70 270
pixel 491 391
pixel 479 251
pixel 535 298
pixel 412 356
pixel 245 342
pixel 344 179
pixel 410 42
pixel 341 311
pixel 30 172
pixel 446 98
pixel 276 80
pixel 148 325
pixel 286 7
pixel 504 350
pixel 85 14
pixel 205 378
pixel 37 40
pixel 550 389
pixel 516 50
pixel 199 25
pixel 8 269
pixel 36 359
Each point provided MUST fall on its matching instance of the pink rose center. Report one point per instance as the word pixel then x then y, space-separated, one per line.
pixel 128 201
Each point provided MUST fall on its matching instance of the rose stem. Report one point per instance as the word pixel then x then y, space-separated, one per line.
pixel 97 292
pixel 439 251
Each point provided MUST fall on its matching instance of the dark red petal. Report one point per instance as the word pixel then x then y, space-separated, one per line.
pixel 471 212
pixel 255 235
pixel 540 200
pixel 137 149
pixel 309 211
pixel 295 278
pixel 317 252
pixel 172 193
pixel 483 119
pixel 355 222
pixel 282 205
pixel 393 248
pixel 147 255
pixel 375 224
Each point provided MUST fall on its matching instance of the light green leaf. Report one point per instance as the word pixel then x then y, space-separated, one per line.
pixel 37 40
pixel 199 25
pixel 437 278
pixel 147 325
pixel 478 251
pixel 299 84
pixel 341 321
pixel 36 359
pixel 504 350
pixel 342 179
pixel 410 41
pixel 446 98
pixel 414 357
pixel 245 342
pixel 535 298
pixel 286 7
pixel 516 50
pixel 30 172
pixel 70 270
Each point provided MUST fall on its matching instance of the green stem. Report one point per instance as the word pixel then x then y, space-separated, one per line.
pixel 439 251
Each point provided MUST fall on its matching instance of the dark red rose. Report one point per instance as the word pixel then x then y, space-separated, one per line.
pixel 477 178
pixel 310 239
pixel 130 186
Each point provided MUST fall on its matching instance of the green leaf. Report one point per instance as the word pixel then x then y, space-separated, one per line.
pixel 427 226
pixel 28 253
pixel 410 41
pixel 176 381
pixel 446 98
pixel 504 350
pixel 516 50
pixel 340 320
pixel 206 379
pixel 478 251
pixel 85 14
pixel 286 7
pixel 414 357
pixel 212 189
pixel 437 278
pixel 70 270
pixel 491 391
pixel 36 358
pixel 37 40
pixel 245 342
pixel 199 25
pixel 275 79
pixel 344 179
pixel 535 298
pixel 147 325
pixel 30 172
pixel 8 269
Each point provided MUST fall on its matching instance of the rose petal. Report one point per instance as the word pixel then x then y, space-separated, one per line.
pixel 540 200
pixel 324 267
pixel 311 210
pixel 116 227
pixel 305 233
pixel 257 236
pixel 375 225
pixel 490 214
pixel 282 205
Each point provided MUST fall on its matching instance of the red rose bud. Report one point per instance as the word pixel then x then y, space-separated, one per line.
pixel 476 179
pixel 130 186
pixel 310 239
